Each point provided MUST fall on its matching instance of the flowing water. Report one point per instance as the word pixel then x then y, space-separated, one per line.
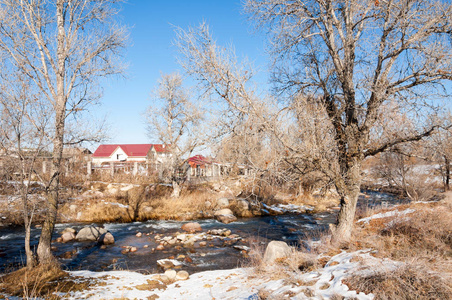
pixel 218 254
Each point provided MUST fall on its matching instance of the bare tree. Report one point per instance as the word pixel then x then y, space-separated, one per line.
pixel 176 122
pixel 352 57
pixel 63 47
pixel 23 127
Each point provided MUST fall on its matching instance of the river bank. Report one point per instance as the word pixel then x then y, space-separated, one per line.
pixel 388 258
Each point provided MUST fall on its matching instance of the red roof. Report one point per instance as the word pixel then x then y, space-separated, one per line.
pixel 199 160
pixel 132 150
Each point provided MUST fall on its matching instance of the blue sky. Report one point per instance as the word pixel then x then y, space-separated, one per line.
pixel 151 52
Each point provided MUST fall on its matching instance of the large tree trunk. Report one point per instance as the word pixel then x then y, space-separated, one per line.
pixel 348 189
pixel 345 221
pixel 44 252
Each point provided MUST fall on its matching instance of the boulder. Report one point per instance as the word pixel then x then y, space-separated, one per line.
pixel 171 274
pixel 107 239
pixel 191 227
pixel 223 202
pixel 276 250
pixel 226 219
pixel 182 275
pixel 67 236
pixel 68 229
pixel 90 233
pixel 242 208
pixel 243 204
pixel 225 216
pixel 223 212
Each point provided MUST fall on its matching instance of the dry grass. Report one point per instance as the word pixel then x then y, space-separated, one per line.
pixel 190 205
pixel 421 243
pixel 410 281
pixel 40 281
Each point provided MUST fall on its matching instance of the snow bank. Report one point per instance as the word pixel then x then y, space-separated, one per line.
pixel 235 284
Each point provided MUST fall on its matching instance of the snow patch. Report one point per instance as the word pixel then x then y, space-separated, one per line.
pixel 393 213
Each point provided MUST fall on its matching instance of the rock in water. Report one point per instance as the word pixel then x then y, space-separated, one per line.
pixel 276 250
pixel 90 233
pixel 67 236
pixel 107 239
pixel 191 227
pixel 225 216
pixel 69 229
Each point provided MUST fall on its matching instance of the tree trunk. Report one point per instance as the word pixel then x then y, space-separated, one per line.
pixel 176 190
pixel 44 252
pixel 31 261
pixel 341 232
pixel 447 175
pixel 348 187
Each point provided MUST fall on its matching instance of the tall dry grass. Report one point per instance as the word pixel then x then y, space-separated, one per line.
pixel 38 282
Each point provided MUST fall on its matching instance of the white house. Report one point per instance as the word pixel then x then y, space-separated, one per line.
pixel 155 153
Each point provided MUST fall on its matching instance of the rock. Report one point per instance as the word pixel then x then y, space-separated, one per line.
pixel 242 208
pixel 207 204
pixel 68 229
pixel 182 275
pixel 220 232
pixel 243 204
pixel 191 227
pixel 107 239
pixel 223 202
pixel 190 243
pixel 202 244
pixel 67 236
pixel 180 257
pixel 73 207
pixel 139 234
pixel 90 233
pixel 224 211
pixel 168 263
pixel 181 237
pixel 160 247
pixel 133 249
pixel 225 216
pixel 276 250
pixel 59 240
pixel 171 274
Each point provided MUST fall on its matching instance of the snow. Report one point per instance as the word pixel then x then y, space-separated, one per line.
pixel 241 283
pixel 393 213
pixel 115 203
pixel 285 208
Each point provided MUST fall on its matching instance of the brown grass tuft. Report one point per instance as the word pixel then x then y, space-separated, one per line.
pixel 410 281
pixel 40 281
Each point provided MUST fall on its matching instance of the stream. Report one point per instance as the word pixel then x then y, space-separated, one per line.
pixel 219 253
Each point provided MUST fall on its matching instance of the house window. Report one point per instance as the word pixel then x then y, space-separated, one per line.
pixel 117 156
